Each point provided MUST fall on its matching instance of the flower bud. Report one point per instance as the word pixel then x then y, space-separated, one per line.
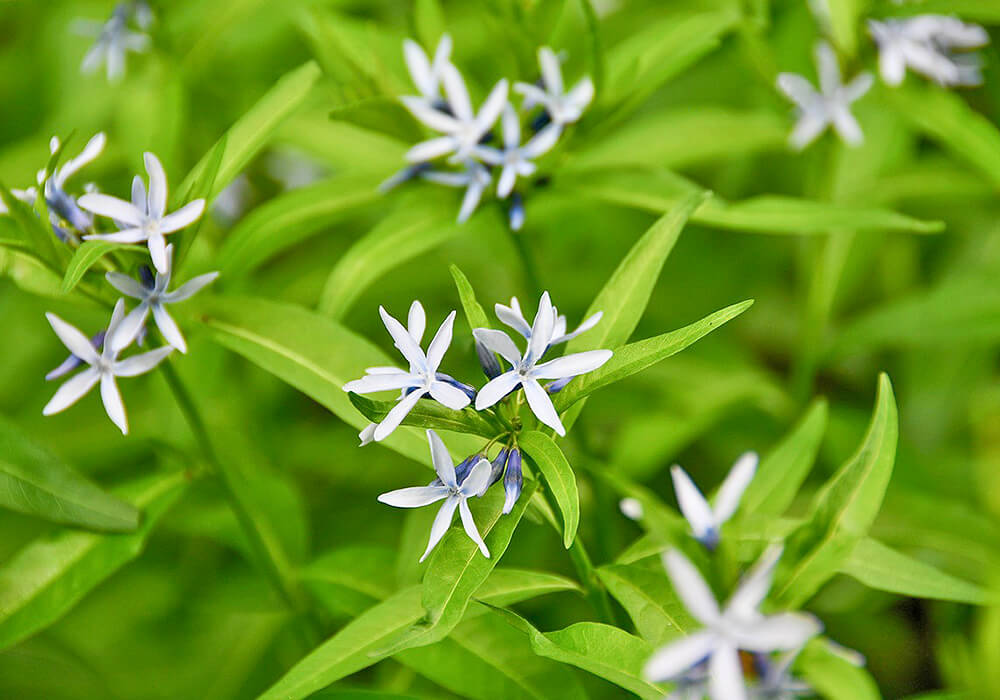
pixel 488 361
pixel 512 480
pixel 499 462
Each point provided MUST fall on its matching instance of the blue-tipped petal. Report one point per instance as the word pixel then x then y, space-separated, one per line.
pixel 512 480
pixel 470 391
pixel 558 385
pixel 499 462
pixel 463 469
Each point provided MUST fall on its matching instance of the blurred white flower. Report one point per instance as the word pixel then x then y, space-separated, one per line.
pixel 631 508
pixel 153 298
pixel 114 39
pixel 562 107
pixel 145 217
pixel 740 625
pixel 926 44
pixel 706 521
pixel 830 106
pixel 59 202
pixel 427 75
pixel 421 379
pixel 104 367
pixel 515 159
pixel 525 370
pixel 475 179
pixel 454 494
pixel 462 127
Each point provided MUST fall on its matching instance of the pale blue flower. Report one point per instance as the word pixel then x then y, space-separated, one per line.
pixel 562 107
pixel 115 39
pixel 514 159
pixel 706 520
pixel 927 44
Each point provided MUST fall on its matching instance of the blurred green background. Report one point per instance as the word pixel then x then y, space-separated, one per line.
pixel 835 304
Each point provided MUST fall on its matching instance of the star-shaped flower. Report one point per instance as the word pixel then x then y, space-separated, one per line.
pixel 154 298
pixel 706 521
pixel 738 626
pixel 926 43
pixel 463 128
pixel 475 179
pixel 830 106
pixel 145 217
pixel 104 368
pixel 563 108
pixel 114 40
pixel 426 75
pixel 447 488
pixel 525 370
pixel 419 380
pixel 515 159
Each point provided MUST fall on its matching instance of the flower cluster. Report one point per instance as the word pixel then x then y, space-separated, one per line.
pixel 444 106
pixel 708 661
pixel 928 44
pixel 504 395
pixel 141 220
pixel 114 38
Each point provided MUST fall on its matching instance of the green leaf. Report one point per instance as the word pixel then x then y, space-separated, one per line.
pixel 649 600
pixel 605 651
pixel 36 482
pixel 845 18
pixel 43 581
pixel 783 469
pixel 428 19
pixel 431 414
pixel 833 676
pixel 598 69
pixel 886 569
pixel 474 312
pixel 419 224
pixel 559 477
pixel 315 355
pixel 637 356
pixel 384 115
pixel 86 256
pixel 253 131
pixel 507 586
pixel 624 297
pixel 351 579
pixel 844 508
pixel 291 218
pixel 947 118
pixel 201 183
pixel 36 232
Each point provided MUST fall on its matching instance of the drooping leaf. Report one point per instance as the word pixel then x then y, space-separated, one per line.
pixel 315 355
pixel 783 469
pixel 43 581
pixel 886 569
pixel 605 651
pixel 36 482
pixel 637 356
pixel 843 509
pixel 559 477
pixel 86 256
pixel 291 218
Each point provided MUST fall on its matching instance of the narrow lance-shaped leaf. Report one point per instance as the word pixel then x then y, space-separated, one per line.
pixel 559 477
pixel 36 482
pixel 35 232
pixel 637 356
pixel 474 312
pixel 844 508
pixel 879 566
pixel 430 414
pixel 783 469
pixel 43 581
pixel 86 256
pixel 605 651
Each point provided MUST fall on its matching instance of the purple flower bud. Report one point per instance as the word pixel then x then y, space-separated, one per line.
pixel 488 361
pixel 463 469
pixel 146 277
pixel 515 214
pixel 499 462
pixel 558 385
pixel 512 480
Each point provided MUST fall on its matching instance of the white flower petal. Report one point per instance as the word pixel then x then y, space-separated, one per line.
pixel 158 252
pixel 572 365
pixel 691 588
pixel 551 70
pixel 725 675
pixel 478 479
pixel 541 330
pixel 693 504
pixel 490 111
pixel 857 88
pixel 807 129
pixel 511 127
pixel 429 116
pixel 126 285
pixel 185 216
pixel 581 94
pixel 130 235
pixel 441 459
pixel 157 196
pixel 450 396
pixel 431 149
pixel 827 66
pixel 458 96
pixel 168 328
pixel 403 341
pixel 777 632
pixel 139 200
pixel 797 89
pixel 541 405
pixel 113 404
pixel 505 185
pixel 470 201
pixel 678 656
pixel 140 364
pixel 414 496
pixel 382 382
pixel 416 321
pixel 470 527
pixel 439 344
pixel 496 389
pixel 396 415
pixel 753 588
pixel 512 317
pixel 728 498
pixel 419 67
pixel 582 328
pixel 72 391
pixel 847 126
pixel 442 521
pixel 190 288
pixel 90 152
pixel 542 142
pixel 111 207
pixel 75 341
pixel 126 331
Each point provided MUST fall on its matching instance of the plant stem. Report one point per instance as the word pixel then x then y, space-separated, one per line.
pixel 530 271
pixel 596 594
pixel 286 589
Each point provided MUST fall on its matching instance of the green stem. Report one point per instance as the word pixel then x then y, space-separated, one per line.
pixel 289 592
pixel 596 594
pixel 530 271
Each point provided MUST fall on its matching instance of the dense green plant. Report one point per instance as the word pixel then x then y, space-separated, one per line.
pixel 636 163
